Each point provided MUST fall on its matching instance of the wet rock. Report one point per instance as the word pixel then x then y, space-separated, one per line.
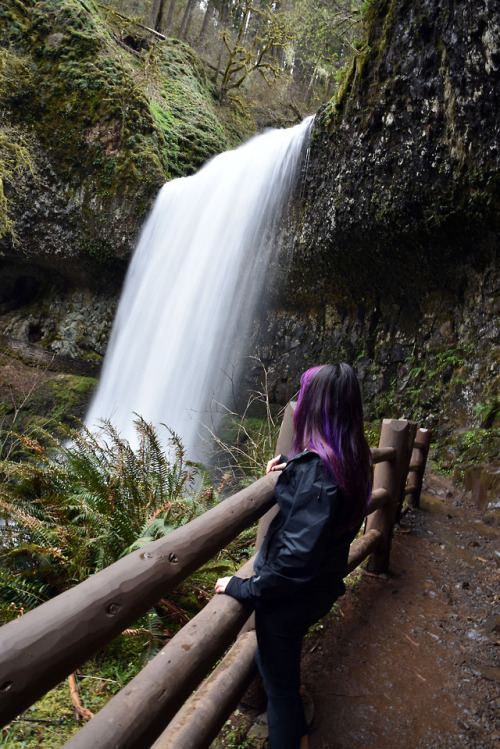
pixel 474 634
pixel 394 263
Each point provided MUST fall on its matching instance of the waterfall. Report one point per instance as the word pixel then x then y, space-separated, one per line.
pixel 192 286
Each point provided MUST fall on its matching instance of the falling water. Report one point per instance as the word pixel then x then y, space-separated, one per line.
pixel 192 286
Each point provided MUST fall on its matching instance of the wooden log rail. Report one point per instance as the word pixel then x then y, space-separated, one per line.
pixel 418 462
pixel 42 647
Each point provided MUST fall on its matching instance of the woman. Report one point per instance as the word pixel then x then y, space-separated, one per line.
pixel 322 496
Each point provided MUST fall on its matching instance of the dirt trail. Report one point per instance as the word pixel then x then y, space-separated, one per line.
pixel 414 659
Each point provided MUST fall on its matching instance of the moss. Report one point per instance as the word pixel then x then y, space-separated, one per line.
pixel 31 396
pixel 83 102
pixel 64 397
pixel 15 151
pixel 114 124
pixel 379 18
pixel 187 118
pixel 455 453
pixel 372 432
pixel 98 249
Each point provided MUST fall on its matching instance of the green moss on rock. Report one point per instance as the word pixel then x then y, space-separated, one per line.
pixel 31 396
pixel 108 124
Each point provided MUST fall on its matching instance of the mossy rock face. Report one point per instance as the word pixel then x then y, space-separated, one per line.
pixel 392 248
pixel 103 126
pixel 403 184
pixel 186 115
pixel 91 128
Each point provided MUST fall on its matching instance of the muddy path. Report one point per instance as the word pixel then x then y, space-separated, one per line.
pixel 412 659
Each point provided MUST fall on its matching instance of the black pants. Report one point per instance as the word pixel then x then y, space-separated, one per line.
pixel 280 626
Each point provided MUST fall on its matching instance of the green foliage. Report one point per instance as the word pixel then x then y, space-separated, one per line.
pixel 425 380
pixel 323 39
pixel 478 446
pixel 33 397
pixel 77 505
pixel 488 412
pixel 372 432
pixel 233 733
pixel 368 5
pixel 468 448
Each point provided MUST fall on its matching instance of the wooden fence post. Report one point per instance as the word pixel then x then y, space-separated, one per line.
pixel 283 447
pixel 390 476
pixel 407 462
pixel 417 466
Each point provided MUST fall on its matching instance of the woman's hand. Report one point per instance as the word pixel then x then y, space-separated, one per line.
pixel 275 465
pixel 220 585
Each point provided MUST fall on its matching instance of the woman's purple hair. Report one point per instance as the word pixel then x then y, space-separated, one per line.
pixel 328 420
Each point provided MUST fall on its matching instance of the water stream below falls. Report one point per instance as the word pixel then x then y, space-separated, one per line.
pixel 192 287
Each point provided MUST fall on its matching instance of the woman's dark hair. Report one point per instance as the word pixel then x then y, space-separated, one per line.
pixel 328 420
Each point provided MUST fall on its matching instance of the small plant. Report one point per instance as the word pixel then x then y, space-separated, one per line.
pixel 372 432
pixel 367 6
pixel 233 733
pixel 488 412
pixel 244 442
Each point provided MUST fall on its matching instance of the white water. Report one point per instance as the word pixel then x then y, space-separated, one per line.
pixel 192 286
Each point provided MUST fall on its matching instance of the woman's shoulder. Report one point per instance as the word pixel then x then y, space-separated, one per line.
pixel 305 456
pixel 310 463
pixel 306 463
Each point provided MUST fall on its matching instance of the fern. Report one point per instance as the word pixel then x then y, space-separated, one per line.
pixel 79 503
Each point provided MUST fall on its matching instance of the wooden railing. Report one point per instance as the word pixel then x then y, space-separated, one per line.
pixel 39 649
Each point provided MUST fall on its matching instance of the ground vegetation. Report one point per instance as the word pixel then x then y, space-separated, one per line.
pixel 71 506
pixel 71 503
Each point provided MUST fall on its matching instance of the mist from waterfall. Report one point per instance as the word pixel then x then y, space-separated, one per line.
pixel 192 286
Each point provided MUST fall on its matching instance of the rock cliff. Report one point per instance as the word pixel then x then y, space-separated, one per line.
pixel 96 114
pixel 393 241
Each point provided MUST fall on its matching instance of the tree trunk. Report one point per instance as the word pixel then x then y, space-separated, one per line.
pixel 186 19
pixel 157 15
pixel 209 13
pixel 223 16
pixel 170 15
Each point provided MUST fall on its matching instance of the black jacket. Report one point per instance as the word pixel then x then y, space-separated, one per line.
pixel 307 544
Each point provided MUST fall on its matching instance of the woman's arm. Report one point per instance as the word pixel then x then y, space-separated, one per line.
pixel 298 547
pixel 278 463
